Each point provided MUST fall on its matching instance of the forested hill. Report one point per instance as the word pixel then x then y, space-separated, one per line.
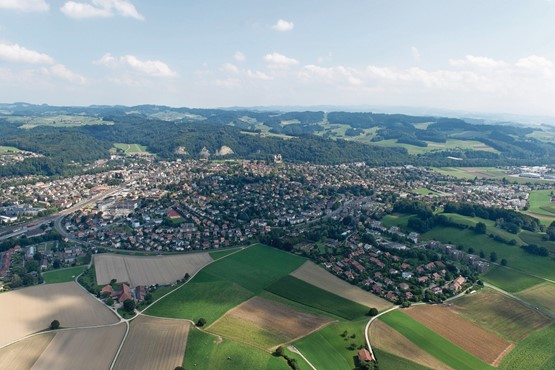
pixel 67 135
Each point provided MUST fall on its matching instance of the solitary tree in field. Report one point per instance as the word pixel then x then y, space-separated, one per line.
pixel 201 322
pixel 480 228
pixel 280 351
pixel 54 325
pixel 373 311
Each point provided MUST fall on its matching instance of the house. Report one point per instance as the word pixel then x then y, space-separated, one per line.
pixel 364 356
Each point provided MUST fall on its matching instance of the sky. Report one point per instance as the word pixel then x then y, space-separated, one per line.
pixel 494 56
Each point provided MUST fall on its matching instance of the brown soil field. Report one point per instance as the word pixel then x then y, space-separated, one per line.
pixel 483 344
pixel 384 337
pixel 542 295
pixel 32 309
pixel 84 349
pixel 23 355
pixel 313 274
pixel 503 315
pixel 147 270
pixel 266 323
pixel 154 343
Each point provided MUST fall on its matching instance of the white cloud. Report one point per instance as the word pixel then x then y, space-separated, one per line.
pixel 238 56
pixel 153 68
pixel 257 75
pixel 100 9
pixel 276 60
pixel 232 68
pixel 415 53
pixel 19 54
pixel 61 71
pixel 25 5
pixel 474 61
pixel 283 26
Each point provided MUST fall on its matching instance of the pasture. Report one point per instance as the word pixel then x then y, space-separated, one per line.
pixel 540 203
pixel 500 314
pixel 8 150
pixel 207 352
pixel 491 229
pixel 433 343
pixel 136 270
pixel 298 291
pixel 509 279
pixel 315 275
pixel 391 361
pixel 387 339
pixel 196 299
pixel 542 295
pixel 23 355
pixel 485 345
pixel 91 349
pixel 29 122
pixel 131 149
pixel 266 324
pixel 535 352
pixel 154 343
pixel 62 275
pixel 32 309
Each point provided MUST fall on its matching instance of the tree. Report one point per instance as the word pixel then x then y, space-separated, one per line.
pixel 503 262
pixel 129 305
pixel 109 301
pixel 280 351
pixel 54 325
pixel 201 322
pixel 186 277
pixel 179 368
pixel 373 311
pixel 480 228
pixel 493 257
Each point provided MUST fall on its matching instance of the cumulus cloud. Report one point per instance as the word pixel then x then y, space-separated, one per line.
pixel 25 5
pixel 228 67
pixel 276 60
pixel 238 56
pixel 100 9
pixel 153 68
pixel 283 26
pixel 19 54
pixel 61 71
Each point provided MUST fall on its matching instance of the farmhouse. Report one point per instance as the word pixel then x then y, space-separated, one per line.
pixel 364 356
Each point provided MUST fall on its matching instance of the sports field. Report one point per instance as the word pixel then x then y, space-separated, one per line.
pixel 154 343
pixel 313 274
pixel 266 324
pixel 500 314
pixel 433 343
pixel 62 275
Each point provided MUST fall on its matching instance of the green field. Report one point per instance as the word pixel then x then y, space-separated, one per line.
pixel 538 239
pixel 387 361
pixel 62 275
pixel 535 352
pixel 298 291
pixel 8 150
pixel 491 229
pixel 510 280
pixel 395 219
pixel 327 348
pixel 424 191
pixel 540 203
pixel 130 149
pixel 206 352
pixel 198 298
pixel 220 254
pixel 433 343
pixel 29 122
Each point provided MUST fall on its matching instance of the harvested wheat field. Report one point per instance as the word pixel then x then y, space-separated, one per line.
pixel 147 270
pixel 266 324
pixel 483 344
pixel 23 355
pixel 84 349
pixel 503 315
pixel 32 309
pixel 154 343
pixel 384 337
pixel 313 274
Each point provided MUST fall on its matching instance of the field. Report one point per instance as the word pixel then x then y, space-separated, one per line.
pixel 472 172
pixel 298 291
pixel 509 279
pixel 147 270
pixel 8 150
pixel 266 324
pixel 23 355
pixel 154 344
pixel 413 149
pixel 196 299
pixel 328 348
pixel 491 229
pixel 29 310
pixel 485 345
pixel 384 337
pixel 62 275
pixel 219 254
pixel 432 342
pixel 208 352
pixel 313 274
pixel 390 361
pixel 58 121
pixel 500 314
pixel 535 352
pixel 91 349
pixel 131 149
pixel 540 202
pixel 542 295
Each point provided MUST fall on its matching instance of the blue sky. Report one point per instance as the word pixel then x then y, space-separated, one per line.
pixel 481 56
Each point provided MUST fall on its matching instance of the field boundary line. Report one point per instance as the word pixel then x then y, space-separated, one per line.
pixel 295 350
